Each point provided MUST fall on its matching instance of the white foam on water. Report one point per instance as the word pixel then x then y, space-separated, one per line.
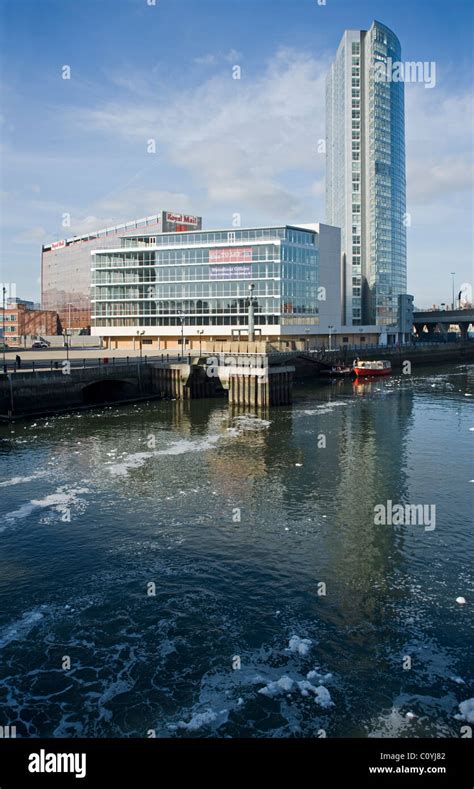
pixel 20 629
pixel 250 422
pixel 58 501
pixel 324 408
pixel 132 461
pixel 20 480
pixel 138 459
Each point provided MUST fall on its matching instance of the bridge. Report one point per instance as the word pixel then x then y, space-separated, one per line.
pixel 442 319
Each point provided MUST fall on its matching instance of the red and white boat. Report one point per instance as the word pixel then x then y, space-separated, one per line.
pixel 369 369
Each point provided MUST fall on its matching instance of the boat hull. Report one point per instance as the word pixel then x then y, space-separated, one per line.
pixel 364 372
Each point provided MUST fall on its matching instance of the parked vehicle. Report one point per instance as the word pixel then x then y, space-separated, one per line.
pixel 40 344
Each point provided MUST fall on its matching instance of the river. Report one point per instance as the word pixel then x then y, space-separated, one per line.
pixel 178 569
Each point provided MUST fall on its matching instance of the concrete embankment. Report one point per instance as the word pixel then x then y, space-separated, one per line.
pixel 34 393
pixel 71 386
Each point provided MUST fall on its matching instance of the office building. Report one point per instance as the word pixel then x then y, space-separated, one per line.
pixel 158 289
pixel 365 174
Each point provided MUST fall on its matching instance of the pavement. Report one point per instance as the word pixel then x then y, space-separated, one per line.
pixel 48 358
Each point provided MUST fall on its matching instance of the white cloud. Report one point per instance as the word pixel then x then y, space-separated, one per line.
pixel 439 144
pixel 32 234
pixel 206 60
pixel 240 140
pixel 212 59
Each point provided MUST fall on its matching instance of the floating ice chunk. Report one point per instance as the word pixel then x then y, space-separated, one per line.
pixel 301 646
pixel 283 685
pixel 466 711
pixel 321 694
pixel 316 674
pixel 201 719
pixel 461 600
pixel 306 687
pixel 298 464
pixel 323 697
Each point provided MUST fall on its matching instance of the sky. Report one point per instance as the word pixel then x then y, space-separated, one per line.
pixel 79 149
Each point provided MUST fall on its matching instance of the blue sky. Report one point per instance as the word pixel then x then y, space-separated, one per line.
pixel 223 146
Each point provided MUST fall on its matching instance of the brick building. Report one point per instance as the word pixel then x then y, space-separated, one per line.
pixel 20 322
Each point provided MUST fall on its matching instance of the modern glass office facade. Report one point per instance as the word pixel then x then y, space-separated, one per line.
pixel 365 174
pixel 154 283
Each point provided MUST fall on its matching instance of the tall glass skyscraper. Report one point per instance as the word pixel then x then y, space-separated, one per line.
pixel 365 173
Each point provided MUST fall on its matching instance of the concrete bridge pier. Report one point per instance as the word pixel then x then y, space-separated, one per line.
pixel 183 381
pixel 260 388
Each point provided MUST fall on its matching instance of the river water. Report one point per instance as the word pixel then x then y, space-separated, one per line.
pixel 182 570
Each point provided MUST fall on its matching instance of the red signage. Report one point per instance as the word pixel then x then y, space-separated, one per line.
pixel 58 244
pixel 231 255
pixel 184 219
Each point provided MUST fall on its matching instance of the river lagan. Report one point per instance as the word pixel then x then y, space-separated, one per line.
pixel 182 570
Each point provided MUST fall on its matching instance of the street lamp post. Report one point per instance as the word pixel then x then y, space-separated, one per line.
pixel 453 274
pixel 4 290
pixel 66 342
pixel 200 332
pixel 251 317
pixel 330 328
pixel 140 335
pixel 181 318
pixel 69 305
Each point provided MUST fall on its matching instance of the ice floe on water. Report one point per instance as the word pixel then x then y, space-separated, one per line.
pixel 466 711
pixel 201 720
pixel 267 676
pixel 282 685
pixel 299 645
pixel 304 686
